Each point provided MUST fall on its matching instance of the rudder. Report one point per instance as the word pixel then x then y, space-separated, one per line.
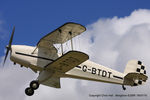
pixel 135 66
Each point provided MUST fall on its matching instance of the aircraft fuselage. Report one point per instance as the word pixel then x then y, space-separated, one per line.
pixel 88 70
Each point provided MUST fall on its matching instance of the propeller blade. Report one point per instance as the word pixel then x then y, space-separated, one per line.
pixel 9 46
pixel 11 38
pixel 6 56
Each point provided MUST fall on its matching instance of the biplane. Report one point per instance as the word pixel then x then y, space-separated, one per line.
pixel 51 65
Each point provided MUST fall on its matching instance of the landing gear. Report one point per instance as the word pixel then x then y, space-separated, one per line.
pixel 123 87
pixel 29 91
pixel 33 86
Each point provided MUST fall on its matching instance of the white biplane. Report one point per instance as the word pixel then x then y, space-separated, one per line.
pixel 45 59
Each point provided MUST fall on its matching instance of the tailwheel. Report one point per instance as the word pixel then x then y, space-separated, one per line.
pixel 123 87
pixel 29 91
pixel 34 84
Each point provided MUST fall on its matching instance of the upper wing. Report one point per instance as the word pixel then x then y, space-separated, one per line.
pixel 67 61
pixel 61 35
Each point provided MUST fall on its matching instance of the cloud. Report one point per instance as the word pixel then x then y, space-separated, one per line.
pixel 115 41
pixel 108 41
pixel 13 81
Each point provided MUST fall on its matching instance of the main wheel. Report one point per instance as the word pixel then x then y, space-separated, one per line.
pixel 29 91
pixel 34 85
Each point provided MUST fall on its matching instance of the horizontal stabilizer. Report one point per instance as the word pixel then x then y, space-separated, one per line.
pixel 134 79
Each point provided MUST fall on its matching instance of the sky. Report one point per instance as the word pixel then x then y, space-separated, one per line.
pixel 117 31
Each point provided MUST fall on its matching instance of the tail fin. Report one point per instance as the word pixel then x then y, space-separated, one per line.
pixel 135 66
pixel 135 73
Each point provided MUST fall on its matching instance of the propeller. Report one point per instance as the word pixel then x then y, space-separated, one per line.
pixel 8 47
